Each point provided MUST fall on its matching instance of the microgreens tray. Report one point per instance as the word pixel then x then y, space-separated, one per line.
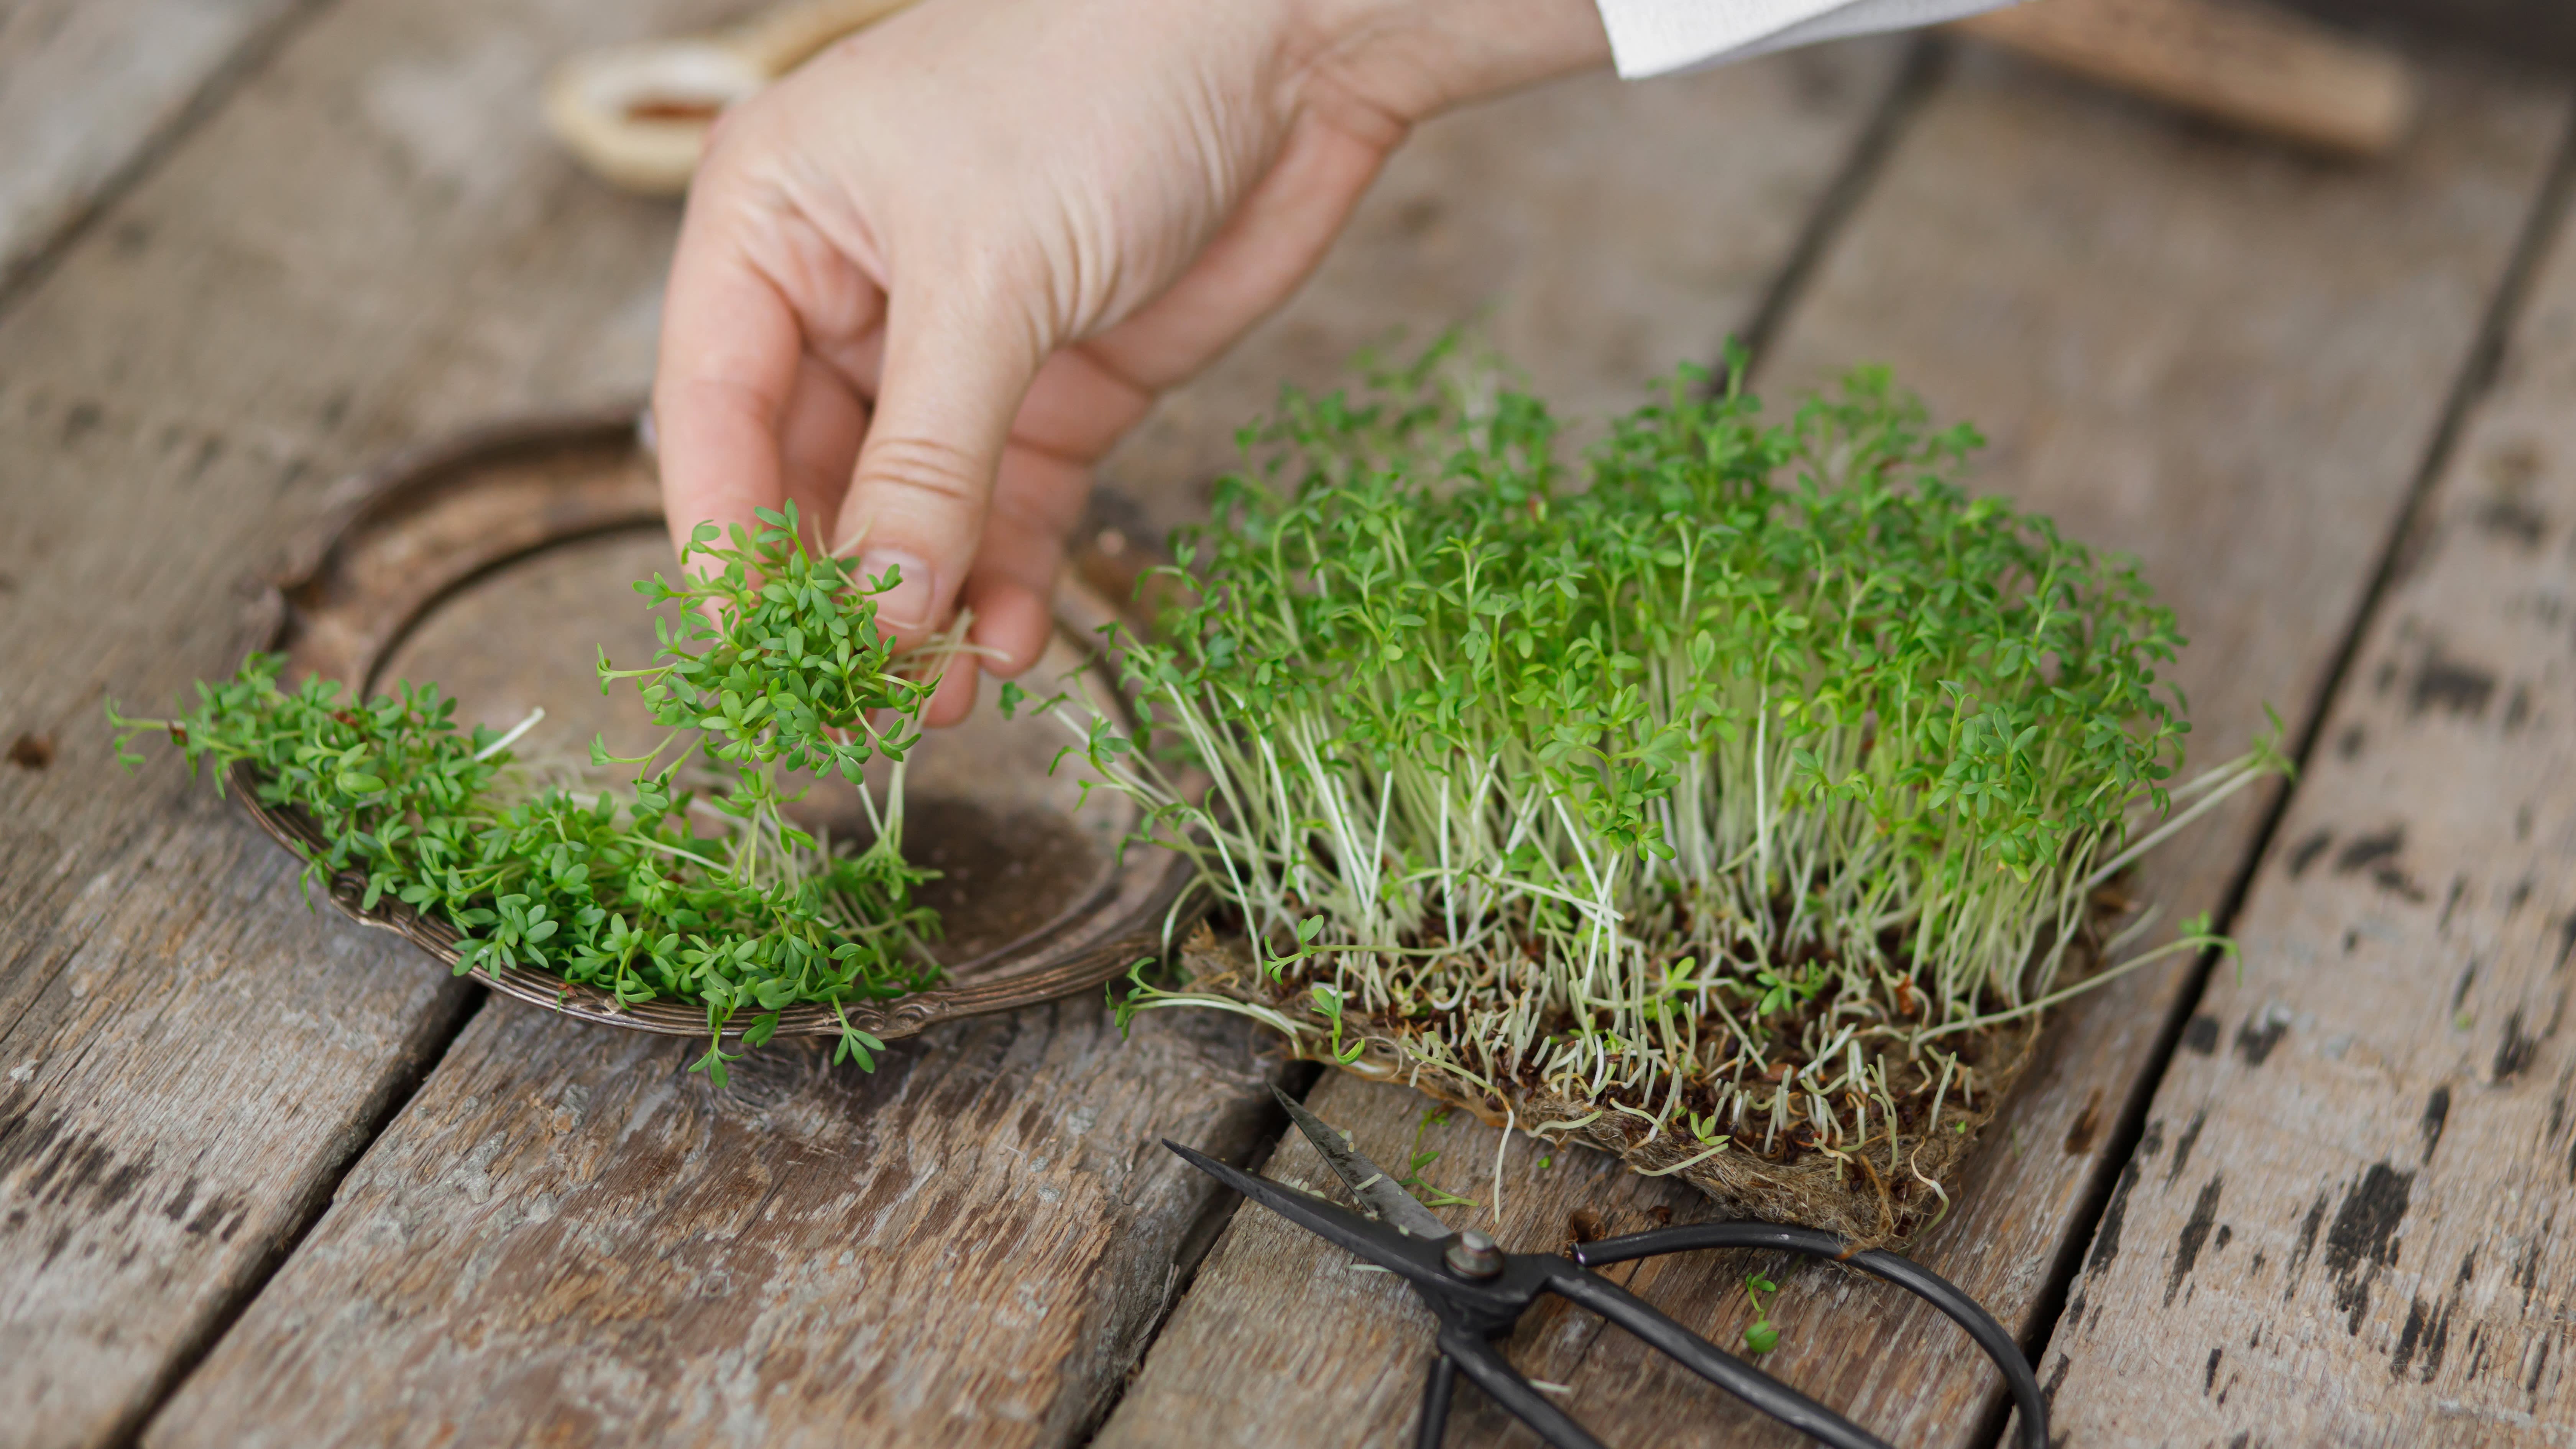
pixel 1739 803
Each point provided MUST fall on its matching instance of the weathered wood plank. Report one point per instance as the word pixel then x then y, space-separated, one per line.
pixel 567 1239
pixel 372 241
pixel 975 1245
pixel 2222 358
pixel 2345 1224
pixel 85 85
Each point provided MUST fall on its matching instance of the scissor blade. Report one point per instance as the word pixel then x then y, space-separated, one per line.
pixel 1376 1191
pixel 1373 1241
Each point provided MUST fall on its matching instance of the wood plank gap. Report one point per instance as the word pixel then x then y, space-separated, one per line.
pixel 2361 1070
pixel 1200 1239
pixel 221 82
pixel 2128 1129
pixel 396 1094
pixel 2477 373
pixel 2476 376
pixel 1926 58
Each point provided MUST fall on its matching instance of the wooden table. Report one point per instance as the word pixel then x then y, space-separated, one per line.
pixel 268 1179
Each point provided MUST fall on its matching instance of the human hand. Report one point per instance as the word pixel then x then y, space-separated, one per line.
pixel 926 281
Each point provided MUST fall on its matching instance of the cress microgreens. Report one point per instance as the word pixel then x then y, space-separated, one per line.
pixel 775 669
pixel 1761 1337
pixel 1701 795
pixel 1419 1158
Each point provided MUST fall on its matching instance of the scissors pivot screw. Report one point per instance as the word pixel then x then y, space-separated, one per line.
pixel 1473 1255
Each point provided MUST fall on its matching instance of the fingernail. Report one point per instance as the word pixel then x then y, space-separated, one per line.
pixel 906 606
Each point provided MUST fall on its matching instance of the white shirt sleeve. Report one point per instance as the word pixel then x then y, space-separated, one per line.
pixel 1658 37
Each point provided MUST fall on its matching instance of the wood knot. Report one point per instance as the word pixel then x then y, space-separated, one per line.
pixel 1583 1225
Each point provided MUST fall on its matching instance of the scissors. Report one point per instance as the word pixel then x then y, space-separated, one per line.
pixel 1479 1292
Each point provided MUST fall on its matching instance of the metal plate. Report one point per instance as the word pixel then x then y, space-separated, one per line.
pixel 498 564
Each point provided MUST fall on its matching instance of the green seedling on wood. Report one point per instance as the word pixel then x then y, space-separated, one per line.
pixel 1421 1158
pixel 1727 792
pixel 774 672
pixel 1761 1338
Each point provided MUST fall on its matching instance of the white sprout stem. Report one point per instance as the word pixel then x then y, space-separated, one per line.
pixel 2167 831
pixel 2100 978
pixel 507 740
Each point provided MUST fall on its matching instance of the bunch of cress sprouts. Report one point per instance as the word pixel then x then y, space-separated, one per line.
pixel 1769 760
pixel 693 886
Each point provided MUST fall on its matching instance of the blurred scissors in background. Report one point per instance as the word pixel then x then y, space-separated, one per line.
pixel 1478 1293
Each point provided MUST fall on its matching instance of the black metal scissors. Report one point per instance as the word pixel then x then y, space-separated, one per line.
pixel 1478 1293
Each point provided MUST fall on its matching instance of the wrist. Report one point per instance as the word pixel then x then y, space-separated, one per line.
pixel 1411 59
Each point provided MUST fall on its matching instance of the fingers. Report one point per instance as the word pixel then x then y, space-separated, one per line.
pixel 956 367
pixel 1035 506
pixel 954 698
pixel 730 354
pixel 1086 396
pixel 1078 407
pixel 1037 499
pixel 752 404
pixel 818 443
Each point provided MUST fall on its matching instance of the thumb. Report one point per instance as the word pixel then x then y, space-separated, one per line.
pixel 957 363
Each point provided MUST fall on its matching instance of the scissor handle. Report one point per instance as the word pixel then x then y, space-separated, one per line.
pixel 1484 1365
pixel 1743 1380
pixel 1905 1273
pixel 1464 1350
pixel 1436 1390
